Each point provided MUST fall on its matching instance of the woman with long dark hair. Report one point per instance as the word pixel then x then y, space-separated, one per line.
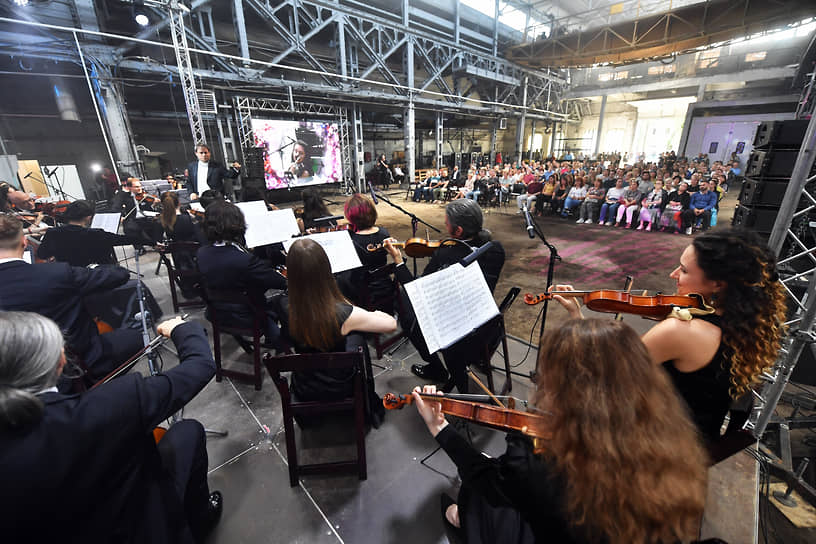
pixel 313 208
pixel 178 226
pixel 736 275
pixel 623 464
pixel 320 318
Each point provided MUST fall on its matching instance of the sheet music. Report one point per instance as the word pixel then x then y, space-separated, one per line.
pixel 450 304
pixel 267 227
pixel 339 248
pixel 109 222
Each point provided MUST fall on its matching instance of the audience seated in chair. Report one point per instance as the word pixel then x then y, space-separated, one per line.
pixel 592 203
pixel 652 206
pixel 630 204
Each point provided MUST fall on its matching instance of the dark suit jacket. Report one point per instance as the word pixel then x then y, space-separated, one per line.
pixel 215 177
pixel 79 246
pixel 491 262
pixel 89 471
pixel 56 290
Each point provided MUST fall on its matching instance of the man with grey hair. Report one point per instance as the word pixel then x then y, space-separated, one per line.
pixel 89 462
pixel 464 222
pixel 57 290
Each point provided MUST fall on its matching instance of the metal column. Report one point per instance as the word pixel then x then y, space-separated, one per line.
pixel 532 139
pixel 522 121
pixel 600 125
pixel 440 139
pixel 408 113
pixel 359 150
pixel 493 141
pixel 346 152
pixel 240 27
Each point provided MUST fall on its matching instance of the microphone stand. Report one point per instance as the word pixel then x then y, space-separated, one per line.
pixel 415 221
pixel 554 257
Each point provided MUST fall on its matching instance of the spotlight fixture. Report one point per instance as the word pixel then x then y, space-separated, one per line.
pixel 139 13
pixel 96 167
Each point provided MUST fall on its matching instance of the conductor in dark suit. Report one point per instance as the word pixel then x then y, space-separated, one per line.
pixel 226 264
pixel 206 173
pixel 56 290
pixel 89 463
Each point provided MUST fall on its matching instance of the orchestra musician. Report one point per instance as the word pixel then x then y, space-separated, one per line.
pixel 736 274
pixel 361 214
pixel 56 290
pixel 90 461
pixel 138 209
pixel 623 465
pixel 463 221
pixel 206 172
pixel 178 226
pixel 227 264
pixel 12 199
pixel 313 208
pixel 319 319
pixel 75 243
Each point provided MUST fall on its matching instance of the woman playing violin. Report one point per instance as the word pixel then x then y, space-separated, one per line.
pixel 623 464
pixel 361 214
pixel 736 275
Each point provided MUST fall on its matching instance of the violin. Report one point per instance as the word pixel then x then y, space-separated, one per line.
pixel 415 247
pixel 495 417
pixel 612 301
pixel 281 269
pixel 52 208
pixel 150 199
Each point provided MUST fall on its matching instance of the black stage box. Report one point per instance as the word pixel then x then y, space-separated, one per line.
pixel 768 193
pixel 755 218
pixel 771 164
pixel 780 134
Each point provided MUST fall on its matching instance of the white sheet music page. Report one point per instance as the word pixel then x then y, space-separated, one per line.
pixel 109 222
pixel 267 227
pixel 339 248
pixel 450 304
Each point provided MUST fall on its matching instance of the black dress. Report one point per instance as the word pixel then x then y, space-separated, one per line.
pixel 706 390
pixel 371 293
pixel 516 498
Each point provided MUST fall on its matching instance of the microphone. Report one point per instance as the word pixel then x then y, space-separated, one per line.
pixel 530 227
pixel 28 175
pixel 373 194
pixel 475 254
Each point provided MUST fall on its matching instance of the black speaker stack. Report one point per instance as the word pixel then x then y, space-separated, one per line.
pixel 252 173
pixel 767 174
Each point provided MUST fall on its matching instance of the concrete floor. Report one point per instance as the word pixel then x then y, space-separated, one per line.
pixel 399 501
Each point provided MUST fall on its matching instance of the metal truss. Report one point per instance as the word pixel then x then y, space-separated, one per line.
pixel 794 246
pixel 345 152
pixel 176 11
pixel 573 41
pixel 375 49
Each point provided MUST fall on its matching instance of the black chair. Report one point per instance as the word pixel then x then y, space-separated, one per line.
pixel 183 274
pixel 292 408
pixel 486 340
pixel 220 307
pixel 386 302
pixel 733 440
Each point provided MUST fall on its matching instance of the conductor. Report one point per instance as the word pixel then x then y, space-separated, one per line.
pixel 206 173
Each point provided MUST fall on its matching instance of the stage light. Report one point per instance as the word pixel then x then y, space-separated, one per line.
pixel 139 13
pixel 96 167
pixel 21 2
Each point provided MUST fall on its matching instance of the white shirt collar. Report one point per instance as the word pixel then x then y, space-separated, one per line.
pixel 11 259
pixel 49 390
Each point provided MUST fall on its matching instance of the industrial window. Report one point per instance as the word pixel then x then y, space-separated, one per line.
pixel 708 59
pixel 622 75
pixel 606 77
pixel 755 56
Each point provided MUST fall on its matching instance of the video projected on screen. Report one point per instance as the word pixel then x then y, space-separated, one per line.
pixel 298 153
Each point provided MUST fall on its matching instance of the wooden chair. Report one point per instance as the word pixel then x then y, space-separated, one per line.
pixel 223 323
pixel 183 274
pixel 291 408
pixel 386 303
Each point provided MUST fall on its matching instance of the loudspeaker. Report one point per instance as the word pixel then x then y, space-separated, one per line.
pixel 253 164
pixel 780 134
pixel 768 193
pixel 773 163
pixel 755 218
